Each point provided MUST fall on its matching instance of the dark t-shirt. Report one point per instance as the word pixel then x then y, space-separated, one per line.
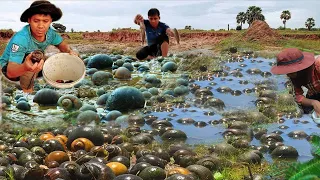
pixel 152 33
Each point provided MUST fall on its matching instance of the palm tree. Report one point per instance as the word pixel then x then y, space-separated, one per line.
pixel 254 13
pixel 310 23
pixel 285 15
pixel 241 18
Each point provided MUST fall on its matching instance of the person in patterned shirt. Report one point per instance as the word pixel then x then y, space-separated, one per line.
pixel 303 69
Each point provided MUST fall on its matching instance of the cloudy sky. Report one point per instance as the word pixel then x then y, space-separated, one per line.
pixel 104 15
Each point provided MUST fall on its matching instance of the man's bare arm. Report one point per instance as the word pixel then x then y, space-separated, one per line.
pixel 64 47
pixel 16 70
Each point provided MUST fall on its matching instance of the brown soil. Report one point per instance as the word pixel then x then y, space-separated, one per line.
pixel 188 40
pixel 260 31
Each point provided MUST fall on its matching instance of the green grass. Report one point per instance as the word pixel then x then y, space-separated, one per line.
pixel 287 31
pixel 236 40
pixel 75 35
pixel 303 44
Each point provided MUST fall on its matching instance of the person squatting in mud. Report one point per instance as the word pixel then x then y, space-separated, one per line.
pixel 17 62
pixel 303 69
pixel 157 35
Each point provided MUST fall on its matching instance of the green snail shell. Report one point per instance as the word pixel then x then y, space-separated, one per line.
pixel 69 102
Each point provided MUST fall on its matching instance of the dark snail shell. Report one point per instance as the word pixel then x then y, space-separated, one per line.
pixel 180 177
pixel 153 160
pixel 142 138
pixel 4 161
pixel 127 146
pixel 19 150
pixel 213 163
pixel 34 172
pixel 57 173
pixel 137 168
pixel 128 177
pixel 70 166
pixel 34 142
pixel 81 143
pixel 89 132
pixel 102 160
pixel 161 153
pixel 142 152
pixel 117 139
pixel 25 157
pixel 58 130
pixel 132 131
pixel 24 106
pixel 201 172
pixel 98 151
pixel 115 150
pixel 174 134
pixel 175 147
pixel 95 170
pixel 21 144
pixel 81 156
pixel 18 171
pixel 52 145
pixel 46 97
pixel 3 170
pixel 38 151
pixel 121 159
pixel 152 172
pixel 107 138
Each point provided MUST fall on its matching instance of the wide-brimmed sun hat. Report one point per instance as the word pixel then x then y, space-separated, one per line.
pixel 41 7
pixel 292 60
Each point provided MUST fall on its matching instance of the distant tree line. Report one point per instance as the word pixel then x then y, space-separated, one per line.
pixel 255 13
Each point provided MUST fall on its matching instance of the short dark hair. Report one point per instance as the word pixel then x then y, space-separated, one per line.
pixel 153 12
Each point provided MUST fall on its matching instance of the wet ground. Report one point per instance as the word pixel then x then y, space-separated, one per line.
pixel 210 134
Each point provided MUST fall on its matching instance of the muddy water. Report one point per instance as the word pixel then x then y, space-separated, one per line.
pixel 211 134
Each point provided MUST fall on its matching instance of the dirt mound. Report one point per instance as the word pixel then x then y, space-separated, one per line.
pixel 6 34
pixel 120 36
pixel 260 31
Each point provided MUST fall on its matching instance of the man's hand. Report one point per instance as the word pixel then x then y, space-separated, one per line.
pixel 316 106
pixel 138 19
pixel 33 67
pixel 74 53
pixel 174 33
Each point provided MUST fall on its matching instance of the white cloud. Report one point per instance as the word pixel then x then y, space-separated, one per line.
pixel 83 15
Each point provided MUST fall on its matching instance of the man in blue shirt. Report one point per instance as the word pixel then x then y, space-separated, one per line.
pixel 16 59
pixel 157 35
